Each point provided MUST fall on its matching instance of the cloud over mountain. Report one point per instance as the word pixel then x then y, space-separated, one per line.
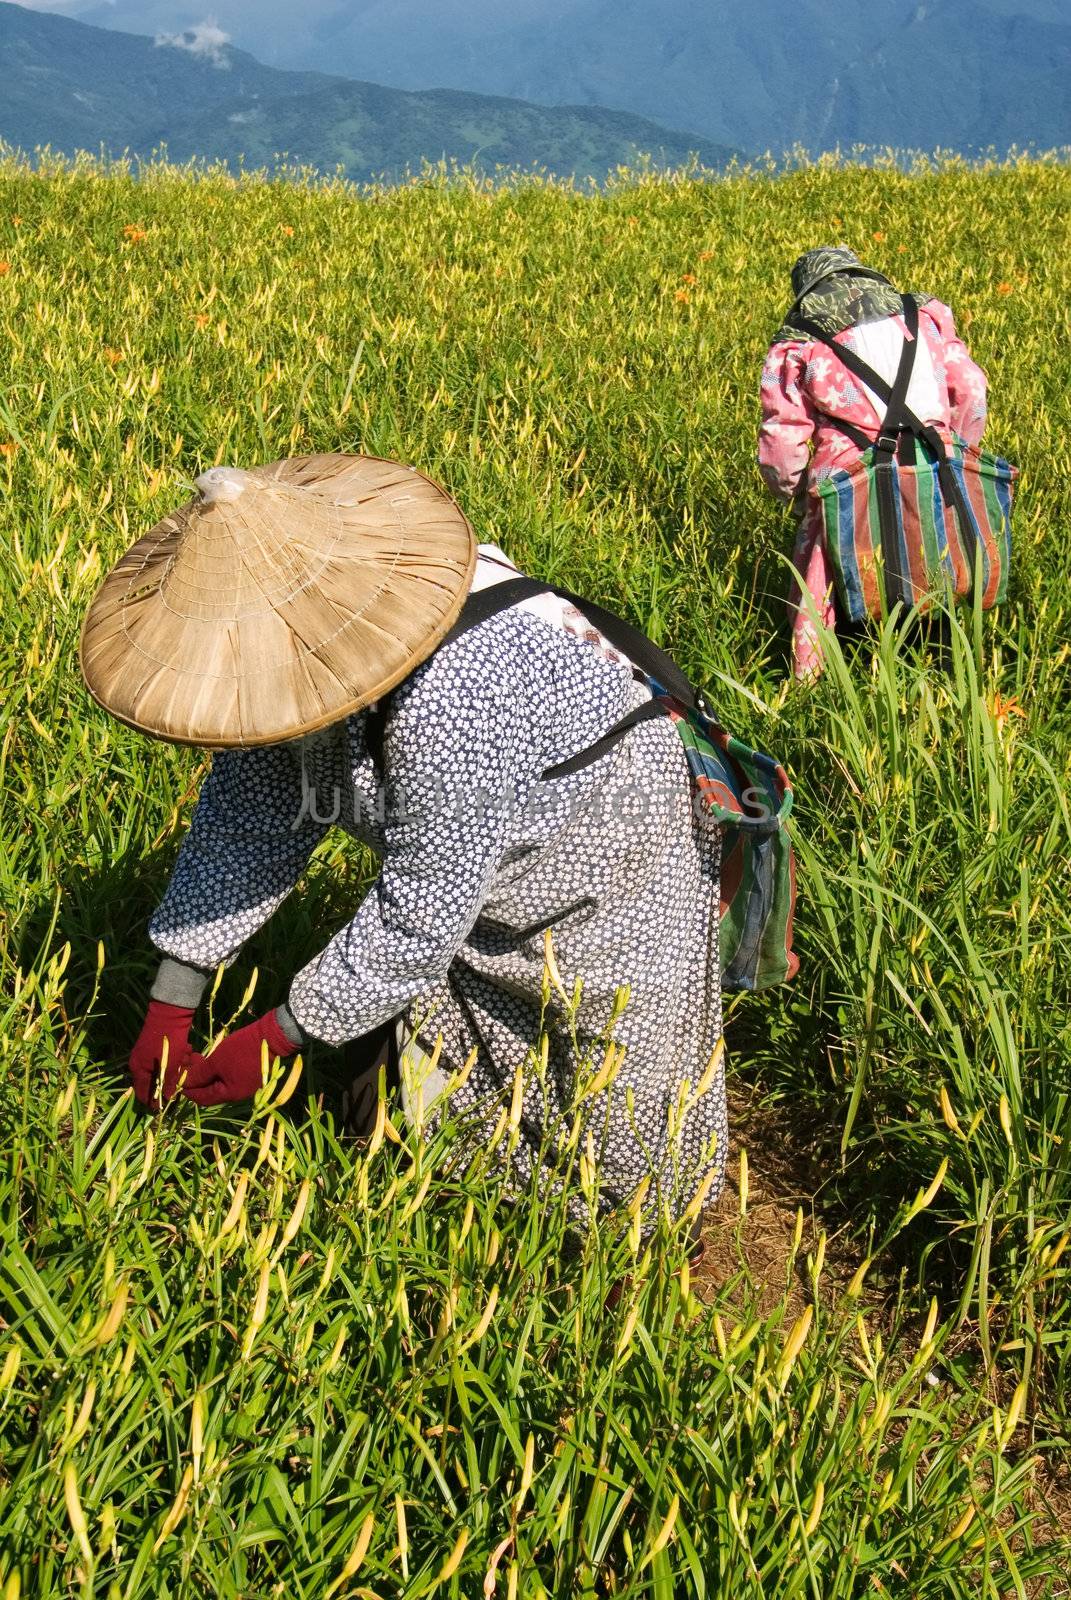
pixel 206 40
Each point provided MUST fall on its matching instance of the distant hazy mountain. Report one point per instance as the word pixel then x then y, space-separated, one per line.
pixel 73 86
pixel 758 75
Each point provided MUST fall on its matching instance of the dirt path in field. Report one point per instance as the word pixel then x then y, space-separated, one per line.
pixel 786 1175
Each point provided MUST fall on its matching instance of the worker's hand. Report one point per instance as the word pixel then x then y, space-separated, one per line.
pixel 163 1023
pixel 234 1069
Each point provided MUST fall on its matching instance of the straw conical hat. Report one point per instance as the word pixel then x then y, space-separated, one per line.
pixel 278 601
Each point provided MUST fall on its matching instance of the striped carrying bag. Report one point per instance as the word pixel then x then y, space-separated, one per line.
pixel 917 518
pixel 749 794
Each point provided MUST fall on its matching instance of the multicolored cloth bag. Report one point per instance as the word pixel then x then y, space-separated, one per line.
pixel 750 795
pixel 744 790
pixel 927 547
pixel 915 519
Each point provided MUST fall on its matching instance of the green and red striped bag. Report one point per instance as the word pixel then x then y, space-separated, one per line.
pixel 928 547
pixel 918 518
pixel 748 792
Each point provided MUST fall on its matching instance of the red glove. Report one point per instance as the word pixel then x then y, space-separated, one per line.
pixel 233 1070
pixel 162 1022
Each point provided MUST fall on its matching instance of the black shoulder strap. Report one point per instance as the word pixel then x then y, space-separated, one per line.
pixel 861 440
pixel 652 661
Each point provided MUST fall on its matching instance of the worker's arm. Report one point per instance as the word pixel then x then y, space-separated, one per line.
pixel 240 859
pixel 788 421
pixel 462 750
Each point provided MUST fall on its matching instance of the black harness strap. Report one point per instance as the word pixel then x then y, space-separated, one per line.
pixel 901 423
pixel 894 413
pixel 375 728
pixel 889 435
pixel 861 440
pixel 613 735
pixel 649 658
pixel 897 415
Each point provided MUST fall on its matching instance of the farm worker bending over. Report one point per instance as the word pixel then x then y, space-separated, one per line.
pixel 301 620
pixel 807 395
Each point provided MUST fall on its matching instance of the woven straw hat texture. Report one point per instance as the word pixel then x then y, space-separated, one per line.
pixel 278 601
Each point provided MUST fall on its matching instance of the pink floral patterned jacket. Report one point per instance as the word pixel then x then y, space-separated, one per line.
pixel 805 391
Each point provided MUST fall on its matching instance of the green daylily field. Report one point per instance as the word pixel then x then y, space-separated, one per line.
pixel 242 1355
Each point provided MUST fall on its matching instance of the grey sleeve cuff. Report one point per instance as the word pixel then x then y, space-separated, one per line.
pixel 290 1026
pixel 178 984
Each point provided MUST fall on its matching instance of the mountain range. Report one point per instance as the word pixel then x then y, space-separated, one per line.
pixel 924 73
pixel 73 86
